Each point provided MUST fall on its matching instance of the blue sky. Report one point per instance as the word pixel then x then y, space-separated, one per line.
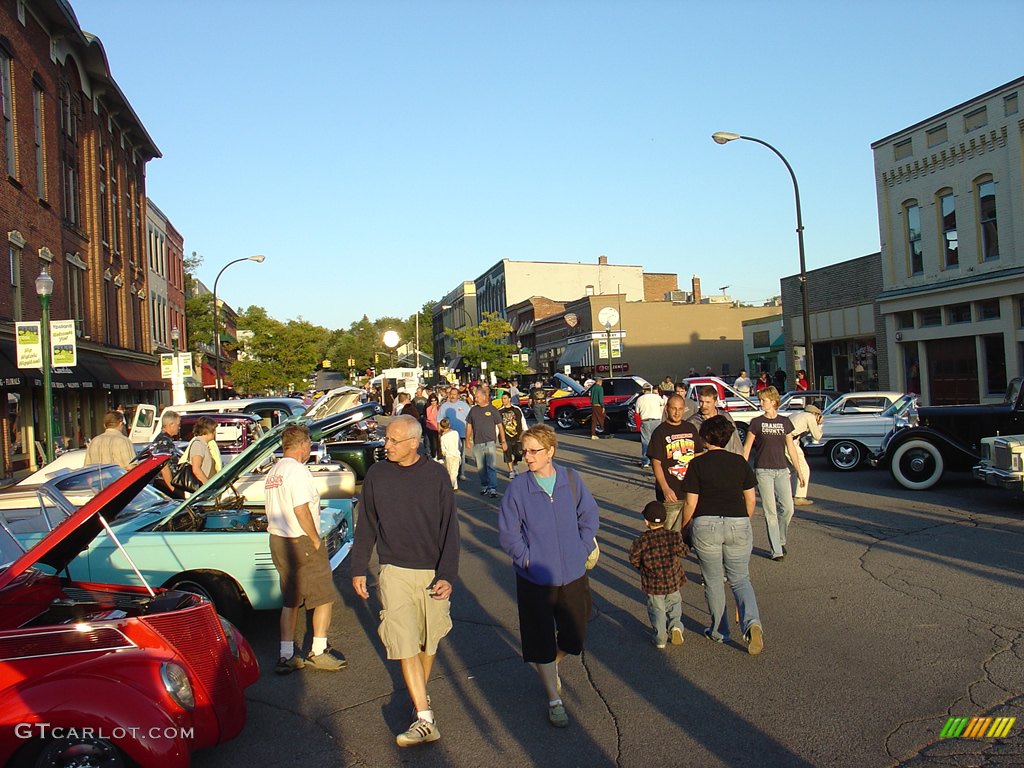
pixel 379 153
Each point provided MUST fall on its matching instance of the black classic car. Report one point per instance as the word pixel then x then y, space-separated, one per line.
pixel 947 438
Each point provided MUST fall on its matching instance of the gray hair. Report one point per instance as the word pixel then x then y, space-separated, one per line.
pixel 170 417
pixel 411 424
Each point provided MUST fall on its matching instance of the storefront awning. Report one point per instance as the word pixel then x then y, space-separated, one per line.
pixel 210 378
pixel 578 354
pixel 10 376
pixel 102 371
pixel 140 375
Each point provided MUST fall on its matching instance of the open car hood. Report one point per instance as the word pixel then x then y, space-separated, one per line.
pixel 260 451
pixel 77 531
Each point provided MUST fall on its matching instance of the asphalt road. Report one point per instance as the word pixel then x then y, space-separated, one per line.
pixel 893 611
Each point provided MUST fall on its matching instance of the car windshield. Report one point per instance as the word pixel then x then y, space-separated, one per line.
pixel 1012 391
pixel 97 478
pixel 898 407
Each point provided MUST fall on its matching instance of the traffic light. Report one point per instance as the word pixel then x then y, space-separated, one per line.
pixel 376 358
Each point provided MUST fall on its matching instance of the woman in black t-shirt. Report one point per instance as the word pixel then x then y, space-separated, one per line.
pixel 719 500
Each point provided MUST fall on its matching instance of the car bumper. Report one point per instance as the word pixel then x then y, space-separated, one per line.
pixel 814 449
pixel 998 478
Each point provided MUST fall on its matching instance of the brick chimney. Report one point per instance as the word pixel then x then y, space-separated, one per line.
pixel 602 261
pixel 696 290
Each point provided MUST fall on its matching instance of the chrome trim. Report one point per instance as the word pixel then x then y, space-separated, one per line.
pixel 128 641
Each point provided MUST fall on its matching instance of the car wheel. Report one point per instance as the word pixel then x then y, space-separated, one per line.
pixel 741 431
pixel 566 418
pixel 917 465
pixel 844 455
pixel 218 589
pixel 81 753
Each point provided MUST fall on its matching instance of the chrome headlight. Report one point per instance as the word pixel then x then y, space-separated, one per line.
pixel 177 685
pixel 229 633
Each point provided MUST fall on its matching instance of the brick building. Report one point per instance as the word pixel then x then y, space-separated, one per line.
pixel 73 205
pixel 847 331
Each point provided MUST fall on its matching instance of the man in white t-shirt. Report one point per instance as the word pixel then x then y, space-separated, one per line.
pixel 649 408
pixel 299 554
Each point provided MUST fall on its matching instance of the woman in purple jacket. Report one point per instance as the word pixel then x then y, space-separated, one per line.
pixel 547 523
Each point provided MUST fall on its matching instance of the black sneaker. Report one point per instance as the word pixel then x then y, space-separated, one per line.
pixel 287 666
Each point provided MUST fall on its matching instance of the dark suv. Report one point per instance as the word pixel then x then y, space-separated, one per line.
pixel 617 389
pixel 948 437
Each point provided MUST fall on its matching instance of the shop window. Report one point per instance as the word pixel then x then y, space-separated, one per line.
pixel 988 310
pixel 929 317
pixel 959 313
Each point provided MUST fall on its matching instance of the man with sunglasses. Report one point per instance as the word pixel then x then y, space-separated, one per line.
pixel 407 511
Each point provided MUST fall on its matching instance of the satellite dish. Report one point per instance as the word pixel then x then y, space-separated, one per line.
pixel 608 316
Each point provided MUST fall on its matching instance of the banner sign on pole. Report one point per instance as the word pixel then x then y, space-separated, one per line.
pixel 62 344
pixel 185 360
pixel 29 345
pixel 166 366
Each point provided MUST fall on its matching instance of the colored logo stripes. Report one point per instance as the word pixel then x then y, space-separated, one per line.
pixel 977 727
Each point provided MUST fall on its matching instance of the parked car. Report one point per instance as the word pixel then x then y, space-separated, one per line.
pixel 620 416
pixel 1002 462
pixel 96 674
pixel 234 431
pixel 214 543
pixel 270 411
pixel 728 398
pixel 948 438
pixel 356 448
pixel 617 389
pixel 850 440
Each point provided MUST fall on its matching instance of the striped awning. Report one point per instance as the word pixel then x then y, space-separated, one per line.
pixel 579 354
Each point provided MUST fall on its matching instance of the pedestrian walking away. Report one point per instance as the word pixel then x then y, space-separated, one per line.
pixel 806 422
pixel 720 500
pixel 539 402
pixel 483 433
pixel 450 451
pixel 772 435
pixel 547 524
pixel 673 446
pixel 430 427
pixel 112 446
pixel 658 554
pixel 299 554
pixel 650 408
pixel 407 512
pixel 597 414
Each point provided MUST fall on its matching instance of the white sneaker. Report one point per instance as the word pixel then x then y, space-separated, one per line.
pixel 511 474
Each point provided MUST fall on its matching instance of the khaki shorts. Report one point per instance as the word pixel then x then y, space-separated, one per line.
pixel 411 621
pixel 305 572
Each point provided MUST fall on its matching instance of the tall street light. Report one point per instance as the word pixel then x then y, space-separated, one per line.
pixel 44 289
pixel 724 137
pixel 177 379
pixel 259 258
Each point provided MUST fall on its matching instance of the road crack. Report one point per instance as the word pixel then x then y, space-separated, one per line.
pixel 607 706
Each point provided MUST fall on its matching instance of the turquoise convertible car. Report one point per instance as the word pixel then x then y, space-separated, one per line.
pixel 215 544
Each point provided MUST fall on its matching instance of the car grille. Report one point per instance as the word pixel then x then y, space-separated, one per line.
pixel 334 542
pixel 379 454
pixel 1002 456
pixel 191 633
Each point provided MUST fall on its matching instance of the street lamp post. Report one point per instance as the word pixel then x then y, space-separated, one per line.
pixel 259 258
pixel 724 137
pixel 44 288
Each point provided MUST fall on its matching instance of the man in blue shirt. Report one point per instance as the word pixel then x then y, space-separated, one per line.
pixel 456 410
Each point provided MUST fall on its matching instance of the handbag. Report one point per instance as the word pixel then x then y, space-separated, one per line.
pixel 183 477
pixel 595 553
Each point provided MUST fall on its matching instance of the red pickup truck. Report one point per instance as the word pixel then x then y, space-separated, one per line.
pixel 617 389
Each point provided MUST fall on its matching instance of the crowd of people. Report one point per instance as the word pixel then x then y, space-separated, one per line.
pixel 704 487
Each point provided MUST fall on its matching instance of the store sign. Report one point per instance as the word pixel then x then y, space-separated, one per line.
pixel 616 368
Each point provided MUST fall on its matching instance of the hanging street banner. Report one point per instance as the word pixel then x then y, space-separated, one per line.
pixel 29 346
pixel 185 361
pixel 63 349
pixel 167 366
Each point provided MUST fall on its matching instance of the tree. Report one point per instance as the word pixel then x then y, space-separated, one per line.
pixel 198 309
pixel 280 356
pixel 488 342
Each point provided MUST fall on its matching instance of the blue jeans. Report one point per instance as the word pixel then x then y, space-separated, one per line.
pixel 665 613
pixel 777 501
pixel 486 455
pixel 540 411
pixel 723 545
pixel 647 427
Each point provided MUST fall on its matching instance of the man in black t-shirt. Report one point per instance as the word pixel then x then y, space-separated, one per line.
pixel 483 428
pixel 673 445
pixel 514 424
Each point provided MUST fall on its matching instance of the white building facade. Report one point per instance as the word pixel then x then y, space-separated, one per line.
pixel 951 222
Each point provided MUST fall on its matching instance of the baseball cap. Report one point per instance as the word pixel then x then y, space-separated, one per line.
pixel 648 388
pixel 654 513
